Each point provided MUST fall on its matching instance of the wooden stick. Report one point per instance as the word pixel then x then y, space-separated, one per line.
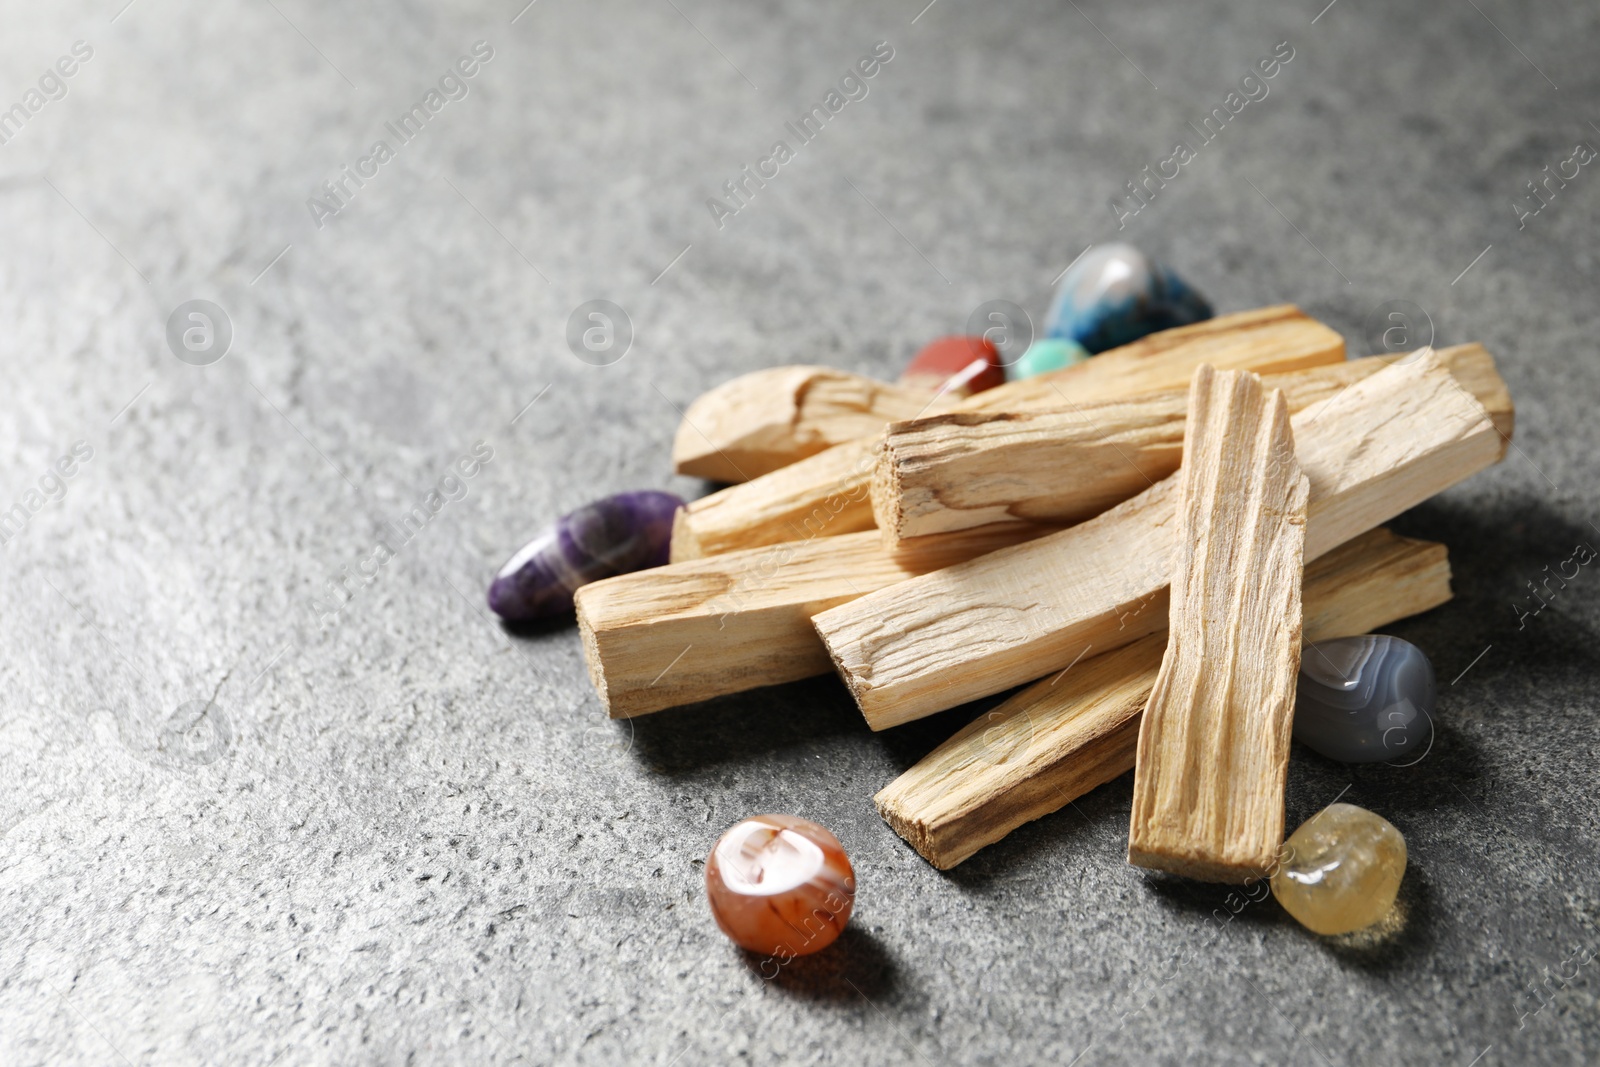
pixel 1053 742
pixel 1268 340
pixel 1213 754
pixel 760 422
pixel 1062 466
pixel 1379 447
pixel 692 631
pixel 825 495
pixel 835 484
pixel 765 420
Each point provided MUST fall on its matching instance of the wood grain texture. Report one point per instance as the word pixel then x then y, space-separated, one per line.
pixel 691 631
pixel 1267 340
pixel 1381 446
pixel 768 509
pixel 962 470
pixel 1072 732
pixel 826 495
pixel 1213 753
pixel 760 422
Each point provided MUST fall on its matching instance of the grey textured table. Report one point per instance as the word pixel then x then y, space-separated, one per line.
pixel 243 824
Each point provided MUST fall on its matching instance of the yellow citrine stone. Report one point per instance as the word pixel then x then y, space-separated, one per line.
pixel 1341 870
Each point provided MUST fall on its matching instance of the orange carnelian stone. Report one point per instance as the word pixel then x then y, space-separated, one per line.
pixel 780 886
pixel 947 357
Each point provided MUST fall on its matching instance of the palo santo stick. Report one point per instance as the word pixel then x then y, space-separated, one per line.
pixel 828 493
pixel 1379 447
pixel 768 419
pixel 962 470
pixel 759 422
pixel 1213 754
pixel 1268 340
pixel 1051 743
pixel 1470 365
pixel 691 631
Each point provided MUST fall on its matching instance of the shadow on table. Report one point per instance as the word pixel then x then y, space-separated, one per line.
pixel 855 966
pixel 1496 551
pixel 537 629
pixel 1404 935
pixel 737 727
pixel 742 726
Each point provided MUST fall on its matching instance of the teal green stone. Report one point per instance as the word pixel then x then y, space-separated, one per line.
pixel 1045 355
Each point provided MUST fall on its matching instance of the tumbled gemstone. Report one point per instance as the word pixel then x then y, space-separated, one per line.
pixel 968 364
pixel 1363 699
pixel 1115 294
pixel 614 535
pixel 1045 355
pixel 780 885
pixel 1341 870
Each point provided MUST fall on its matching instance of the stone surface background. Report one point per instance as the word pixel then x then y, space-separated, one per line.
pixel 404 835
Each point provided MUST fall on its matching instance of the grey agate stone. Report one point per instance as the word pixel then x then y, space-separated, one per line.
pixel 1364 699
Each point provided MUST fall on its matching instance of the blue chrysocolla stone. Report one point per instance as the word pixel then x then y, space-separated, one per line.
pixel 615 535
pixel 1364 699
pixel 1116 294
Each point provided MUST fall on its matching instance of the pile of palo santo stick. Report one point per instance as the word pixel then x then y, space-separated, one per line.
pixel 1161 525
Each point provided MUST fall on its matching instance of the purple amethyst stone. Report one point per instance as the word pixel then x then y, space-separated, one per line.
pixel 614 535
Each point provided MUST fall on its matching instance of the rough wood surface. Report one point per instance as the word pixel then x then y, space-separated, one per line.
pixel 759 422
pixel 768 419
pixel 767 509
pixel 1067 734
pixel 1381 446
pixel 825 495
pixel 1213 754
pixel 1266 340
pixel 691 631
pixel 962 470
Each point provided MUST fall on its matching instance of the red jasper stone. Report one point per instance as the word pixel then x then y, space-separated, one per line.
pixel 948 357
pixel 780 885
